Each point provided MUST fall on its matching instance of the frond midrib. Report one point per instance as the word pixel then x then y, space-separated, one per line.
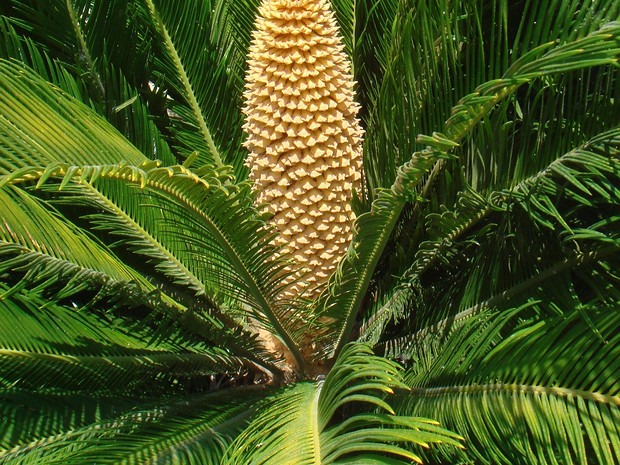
pixel 144 234
pixel 84 50
pixel 315 425
pixel 193 102
pixel 514 388
pixel 88 360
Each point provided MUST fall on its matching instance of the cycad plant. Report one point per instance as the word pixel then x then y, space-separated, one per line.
pixel 195 267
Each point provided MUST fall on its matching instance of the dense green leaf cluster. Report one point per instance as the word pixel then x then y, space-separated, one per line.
pixel 139 312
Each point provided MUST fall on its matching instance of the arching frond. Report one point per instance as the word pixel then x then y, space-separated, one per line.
pixel 299 425
pixel 525 393
pixel 48 347
pixel 222 224
pixel 55 257
pixel 193 429
pixel 584 176
pixel 222 238
pixel 206 119
pixel 376 226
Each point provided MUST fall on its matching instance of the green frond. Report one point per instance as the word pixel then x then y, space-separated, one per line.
pixel 375 227
pixel 192 429
pixel 85 36
pixel 595 265
pixel 63 36
pixel 131 115
pixel 55 261
pixel 226 242
pixel 79 53
pixel 221 229
pixel 136 275
pixel 39 123
pixel 53 279
pixel 23 49
pixel 239 19
pixel 442 50
pixel 300 424
pixel 544 392
pixel 28 417
pixel 585 176
pixel 193 69
pixel 48 347
pixel 53 258
pixel 371 41
pixel 543 120
pixel 51 252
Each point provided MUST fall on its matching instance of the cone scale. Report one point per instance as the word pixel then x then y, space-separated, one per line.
pixel 303 135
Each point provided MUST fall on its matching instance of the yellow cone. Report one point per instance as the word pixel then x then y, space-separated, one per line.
pixel 303 135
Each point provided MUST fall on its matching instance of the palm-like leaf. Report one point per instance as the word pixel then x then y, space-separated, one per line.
pixel 532 373
pixel 309 408
pixel 194 430
pixel 377 225
pixel 220 219
pixel 192 39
